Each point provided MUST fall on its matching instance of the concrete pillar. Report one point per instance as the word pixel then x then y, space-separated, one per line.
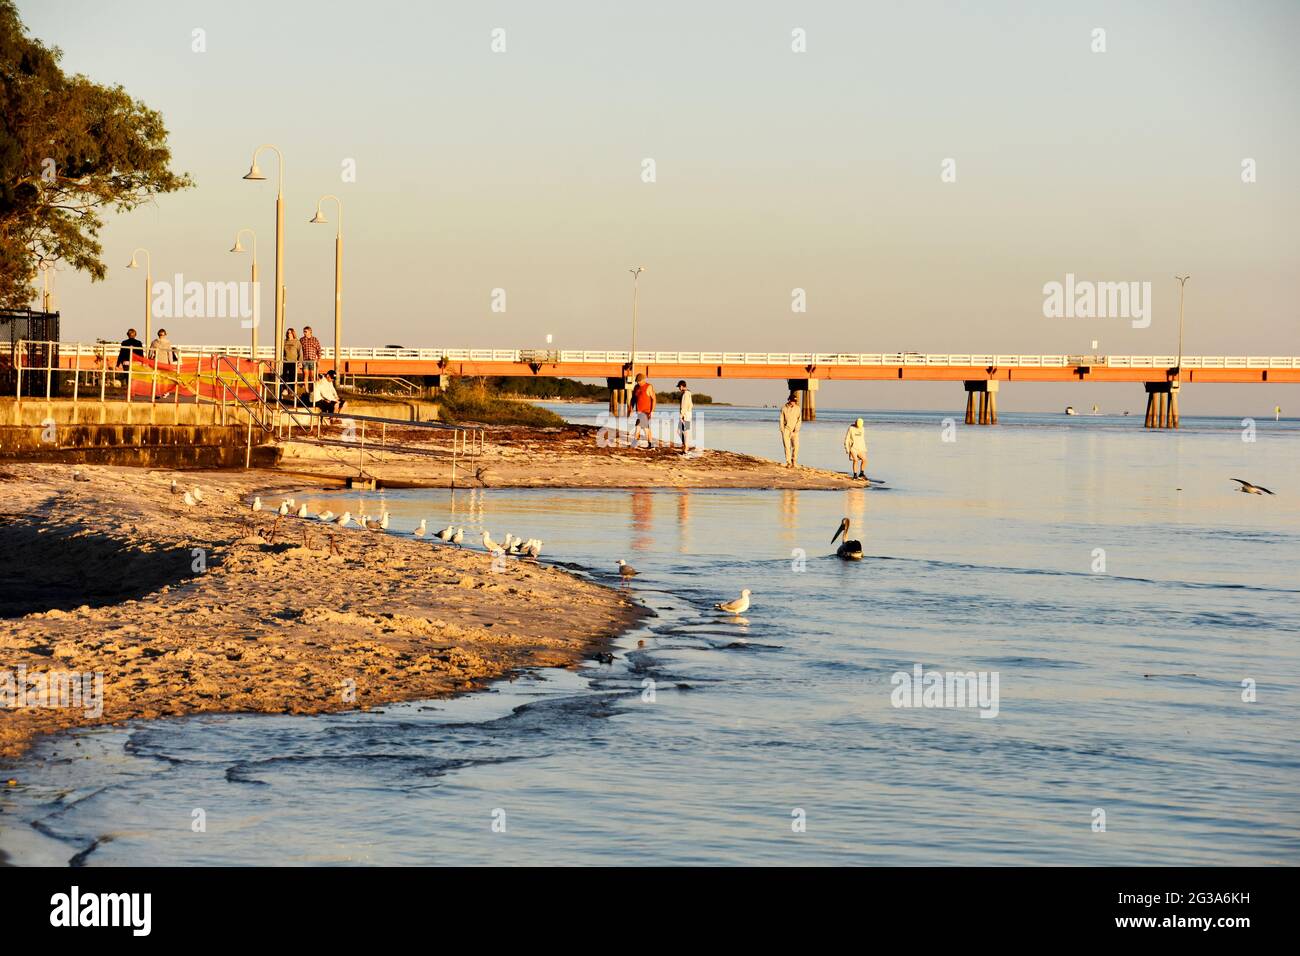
pixel 1162 405
pixel 806 388
pixel 982 402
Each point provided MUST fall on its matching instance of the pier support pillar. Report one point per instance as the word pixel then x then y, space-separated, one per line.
pixel 982 402
pixel 620 393
pixel 1162 405
pixel 807 389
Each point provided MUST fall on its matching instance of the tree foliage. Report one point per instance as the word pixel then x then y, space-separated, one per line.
pixel 70 150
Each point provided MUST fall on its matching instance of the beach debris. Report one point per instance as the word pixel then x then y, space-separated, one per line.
pixel 1249 489
pixel 420 529
pixel 738 606
pixel 626 570
pixel 80 476
pixel 334 548
pixel 605 657
pixel 257 503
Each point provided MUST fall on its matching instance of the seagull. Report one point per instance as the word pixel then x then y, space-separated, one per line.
pixel 176 489
pixel 257 504
pixel 738 606
pixel 1248 489
pixel 198 494
pixel 458 537
pixel 284 507
pixel 625 570
pixel 848 550
pixel 380 525
pixel 325 516
pixel 189 499
pixel 420 529
pixel 534 548
pixel 446 533
pixel 489 544
pixel 511 540
pixel 302 512
pixel 343 519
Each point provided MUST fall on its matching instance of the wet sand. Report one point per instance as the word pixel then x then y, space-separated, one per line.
pixel 286 616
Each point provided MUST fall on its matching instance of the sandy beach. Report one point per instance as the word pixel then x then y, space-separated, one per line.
pixel 312 619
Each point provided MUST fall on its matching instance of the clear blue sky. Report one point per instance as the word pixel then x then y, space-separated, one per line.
pixel 775 170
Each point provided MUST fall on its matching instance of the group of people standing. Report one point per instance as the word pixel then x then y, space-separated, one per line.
pixel 644 400
pixel 855 438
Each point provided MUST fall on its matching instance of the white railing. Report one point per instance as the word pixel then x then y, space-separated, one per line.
pixel 581 357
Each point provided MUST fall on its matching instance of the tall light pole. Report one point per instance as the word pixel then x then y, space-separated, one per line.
pixel 338 281
pixel 257 296
pixel 148 285
pixel 1182 285
pixel 47 294
pixel 256 174
pixel 636 278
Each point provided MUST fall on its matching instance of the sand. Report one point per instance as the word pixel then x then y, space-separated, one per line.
pixel 102 571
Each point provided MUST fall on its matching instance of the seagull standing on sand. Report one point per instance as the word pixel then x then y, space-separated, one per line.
pixel 198 493
pixel 419 529
pixel 534 548
pixel 446 533
pixel 284 508
pixel 490 545
pixel 257 504
pixel 189 500
pixel 738 606
pixel 302 512
pixel 848 550
pixel 1248 489
pixel 176 489
pixel 459 537
pixel 625 570
pixel 344 519
pixel 325 516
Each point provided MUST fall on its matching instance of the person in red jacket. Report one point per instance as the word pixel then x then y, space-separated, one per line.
pixel 643 406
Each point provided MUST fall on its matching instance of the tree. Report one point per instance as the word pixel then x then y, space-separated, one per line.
pixel 70 149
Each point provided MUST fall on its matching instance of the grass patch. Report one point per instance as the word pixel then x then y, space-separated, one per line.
pixel 470 401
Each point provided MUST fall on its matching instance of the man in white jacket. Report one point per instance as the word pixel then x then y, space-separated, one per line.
pixel 686 411
pixel 855 446
pixel 791 420
pixel 324 396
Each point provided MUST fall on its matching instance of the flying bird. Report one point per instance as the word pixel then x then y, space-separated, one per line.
pixel 848 550
pixel 626 570
pixel 738 606
pixel 1248 489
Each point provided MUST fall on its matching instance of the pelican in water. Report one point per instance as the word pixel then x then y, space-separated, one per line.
pixel 1248 489
pixel 738 606
pixel 625 570
pixel 848 550
pixel 446 533
pixel 419 529
pixel 459 537
pixel 257 504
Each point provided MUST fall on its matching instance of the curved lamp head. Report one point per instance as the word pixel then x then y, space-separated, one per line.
pixel 238 246
pixel 133 264
pixel 254 172
pixel 319 217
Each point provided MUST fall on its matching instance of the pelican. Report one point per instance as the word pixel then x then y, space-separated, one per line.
pixel 344 519
pixel 325 516
pixel 738 606
pixel 1248 489
pixel 848 550
pixel 446 533
pixel 257 503
pixel 419 529
pixel 302 512
pixel 459 537
pixel 489 544
pixel 625 570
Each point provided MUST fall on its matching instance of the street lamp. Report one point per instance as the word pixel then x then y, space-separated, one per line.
pixel 47 294
pixel 148 285
pixel 636 277
pixel 257 295
pixel 338 280
pixel 1182 285
pixel 256 174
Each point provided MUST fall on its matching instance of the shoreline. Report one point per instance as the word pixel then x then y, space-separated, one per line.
pixel 196 609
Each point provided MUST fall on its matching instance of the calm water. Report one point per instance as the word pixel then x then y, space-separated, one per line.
pixel 1118 691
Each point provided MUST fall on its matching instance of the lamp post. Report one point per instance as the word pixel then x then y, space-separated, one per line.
pixel 47 294
pixel 256 174
pixel 257 296
pixel 338 281
pixel 636 278
pixel 148 285
pixel 1182 286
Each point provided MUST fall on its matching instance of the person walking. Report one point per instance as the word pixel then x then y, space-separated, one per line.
pixel 309 348
pixel 684 413
pixel 132 348
pixel 855 446
pixel 161 349
pixel 643 403
pixel 791 420
pixel 292 354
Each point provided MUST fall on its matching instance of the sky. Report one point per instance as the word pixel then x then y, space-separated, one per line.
pixel 824 170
